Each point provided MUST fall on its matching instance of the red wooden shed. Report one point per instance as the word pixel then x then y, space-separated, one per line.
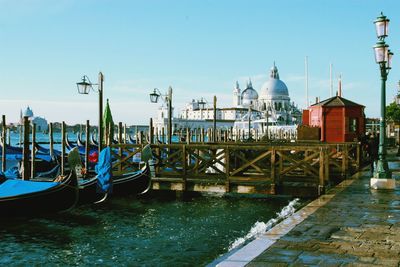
pixel 340 119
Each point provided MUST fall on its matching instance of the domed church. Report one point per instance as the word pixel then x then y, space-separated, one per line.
pixel 273 101
pixel 41 123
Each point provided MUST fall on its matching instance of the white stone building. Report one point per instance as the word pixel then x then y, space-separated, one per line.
pixel 271 106
pixel 41 123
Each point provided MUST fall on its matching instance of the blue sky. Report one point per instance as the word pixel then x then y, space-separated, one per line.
pixel 200 48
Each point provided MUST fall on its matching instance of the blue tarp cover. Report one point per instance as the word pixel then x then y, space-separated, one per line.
pixel 16 187
pixel 11 173
pixel 104 170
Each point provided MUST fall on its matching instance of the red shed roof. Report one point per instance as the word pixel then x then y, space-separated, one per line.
pixel 337 101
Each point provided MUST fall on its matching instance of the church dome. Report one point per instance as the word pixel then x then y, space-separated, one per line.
pixel 274 86
pixel 28 112
pixel 249 94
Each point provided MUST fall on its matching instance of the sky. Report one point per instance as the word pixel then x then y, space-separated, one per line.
pixel 199 48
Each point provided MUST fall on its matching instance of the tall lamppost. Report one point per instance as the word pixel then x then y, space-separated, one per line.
pixel 167 98
pixel 382 175
pixel 84 87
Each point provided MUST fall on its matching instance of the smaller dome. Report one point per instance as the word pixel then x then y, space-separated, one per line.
pixel 249 93
pixel 28 112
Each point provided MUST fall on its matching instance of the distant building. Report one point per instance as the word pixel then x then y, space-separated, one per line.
pixel 272 106
pixel 41 123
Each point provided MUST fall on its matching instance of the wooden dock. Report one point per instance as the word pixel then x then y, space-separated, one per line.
pixel 272 167
pixel 297 169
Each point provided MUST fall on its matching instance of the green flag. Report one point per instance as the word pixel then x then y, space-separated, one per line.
pixel 108 124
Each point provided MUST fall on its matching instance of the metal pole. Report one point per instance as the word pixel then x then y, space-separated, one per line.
pixel 100 141
pixel 169 115
pixel 382 168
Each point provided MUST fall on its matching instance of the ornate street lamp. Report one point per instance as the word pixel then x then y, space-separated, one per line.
pixel 382 176
pixel 84 87
pixel 167 98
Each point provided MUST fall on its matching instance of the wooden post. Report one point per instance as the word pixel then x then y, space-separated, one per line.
pixel 140 134
pixel 227 170
pixel 136 134
pixel 326 151
pixel 87 134
pixel 184 164
pixel 51 140
pixel 3 145
pixel 151 132
pixel 120 133
pixel 345 155
pixel 214 120
pixel 358 156
pixel 120 145
pixel 9 136
pixel 321 182
pixel 188 136
pixel 20 134
pixel 110 135
pixel 33 151
pixel 25 159
pixel 63 126
pixel 202 137
pixel 273 171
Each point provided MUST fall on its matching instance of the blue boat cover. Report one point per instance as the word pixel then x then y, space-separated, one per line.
pixel 11 173
pixel 17 187
pixel 104 171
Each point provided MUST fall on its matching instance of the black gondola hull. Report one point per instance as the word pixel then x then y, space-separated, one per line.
pixel 59 198
pixel 135 184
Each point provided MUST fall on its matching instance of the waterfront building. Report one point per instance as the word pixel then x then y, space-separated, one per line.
pixel 339 119
pixel 41 123
pixel 272 106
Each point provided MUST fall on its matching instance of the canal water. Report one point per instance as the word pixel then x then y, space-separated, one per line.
pixel 154 230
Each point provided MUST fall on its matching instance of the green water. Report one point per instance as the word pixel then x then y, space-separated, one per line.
pixel 153 231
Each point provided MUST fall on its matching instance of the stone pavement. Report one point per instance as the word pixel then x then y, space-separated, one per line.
pixel 357 227
pixel 351 225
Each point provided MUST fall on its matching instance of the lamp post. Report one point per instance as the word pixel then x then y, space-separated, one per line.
pixel 383 57
pixel 84 87
pixel 167 98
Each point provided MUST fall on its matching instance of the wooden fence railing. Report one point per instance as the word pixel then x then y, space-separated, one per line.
pixel 227 163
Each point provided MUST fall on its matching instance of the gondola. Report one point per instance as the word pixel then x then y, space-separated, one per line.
pixel 134 183
pixel 28 198
pixel 93 141
pixel 44 150
pixel 131 140
pixel 105 184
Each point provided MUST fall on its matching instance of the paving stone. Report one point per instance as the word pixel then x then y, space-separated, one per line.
pixel 266 264
pixel 356 227
pixel 309 259
pixel 388 262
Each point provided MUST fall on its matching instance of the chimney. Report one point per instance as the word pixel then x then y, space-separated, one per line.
pixel 316 100
pixel 340 85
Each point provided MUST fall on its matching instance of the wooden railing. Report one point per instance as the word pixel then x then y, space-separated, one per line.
pixel 264 163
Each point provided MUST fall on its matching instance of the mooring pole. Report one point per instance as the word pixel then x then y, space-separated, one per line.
pixel 33 151
pixel 25 157
pixel 3 145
